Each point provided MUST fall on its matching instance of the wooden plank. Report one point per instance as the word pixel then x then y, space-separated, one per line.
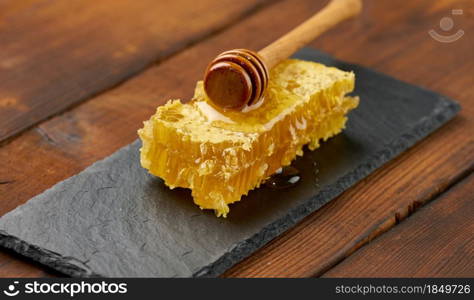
pixel 56 54
pixel 69 142
pixel 436 242
pixel 13 265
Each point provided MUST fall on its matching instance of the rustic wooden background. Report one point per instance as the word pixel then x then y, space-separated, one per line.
pixel 78 77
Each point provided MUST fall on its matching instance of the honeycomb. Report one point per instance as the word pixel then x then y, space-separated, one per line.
pixel 222 155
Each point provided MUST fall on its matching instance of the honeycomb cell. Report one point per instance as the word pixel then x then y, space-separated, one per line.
pixel 222 155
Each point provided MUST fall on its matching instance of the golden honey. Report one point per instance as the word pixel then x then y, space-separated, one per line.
pixel 222 155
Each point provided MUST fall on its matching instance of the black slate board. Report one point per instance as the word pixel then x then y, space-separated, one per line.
pixel 115 220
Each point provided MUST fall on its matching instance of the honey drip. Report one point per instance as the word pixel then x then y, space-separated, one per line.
pixel 283 178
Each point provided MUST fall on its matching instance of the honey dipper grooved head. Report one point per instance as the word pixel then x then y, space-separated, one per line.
pixel 236 78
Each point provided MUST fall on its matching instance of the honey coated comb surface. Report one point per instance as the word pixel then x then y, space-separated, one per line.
pixel 221 155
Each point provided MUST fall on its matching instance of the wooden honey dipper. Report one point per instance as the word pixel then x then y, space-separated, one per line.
pixel 238 78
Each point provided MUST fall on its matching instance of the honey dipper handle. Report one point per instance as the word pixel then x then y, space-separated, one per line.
pixel 333 13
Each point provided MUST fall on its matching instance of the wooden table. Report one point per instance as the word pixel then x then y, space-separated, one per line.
pixel 77 78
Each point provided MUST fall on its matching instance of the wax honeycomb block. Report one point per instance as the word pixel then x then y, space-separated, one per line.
pixel 222 155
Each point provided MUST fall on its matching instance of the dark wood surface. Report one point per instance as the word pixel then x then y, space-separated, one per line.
pixel 57 53
pixel 387 36
pixel 436 242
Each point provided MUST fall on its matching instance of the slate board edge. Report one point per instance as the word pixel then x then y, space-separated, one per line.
pixel 47 258
pixel 445 111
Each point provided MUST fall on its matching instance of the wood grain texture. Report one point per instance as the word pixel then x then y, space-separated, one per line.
pixel 388 37
pixel 57 53
pixel 12 264
pixel 436 242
